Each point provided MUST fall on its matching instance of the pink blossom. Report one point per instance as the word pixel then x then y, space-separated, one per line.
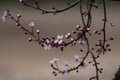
pixel 31 24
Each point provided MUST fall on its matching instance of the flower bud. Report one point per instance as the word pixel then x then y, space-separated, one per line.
pixel 37 31
pixel 31 24
pixel 30 39
pixel 18 15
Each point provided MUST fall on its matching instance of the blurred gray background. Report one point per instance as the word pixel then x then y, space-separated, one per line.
pixel 21 60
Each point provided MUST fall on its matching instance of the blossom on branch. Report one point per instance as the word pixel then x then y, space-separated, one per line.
pixel 4 15
pixel 37 31
pixel 59 39
pixel 77 59
pixel 54 60
pixel 19 15
pixel 47 45
pixel 31 24
pixel 82 64
pixel 82 42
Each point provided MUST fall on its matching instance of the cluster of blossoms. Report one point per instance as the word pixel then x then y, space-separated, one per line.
pixel 79 36
pixel 67 68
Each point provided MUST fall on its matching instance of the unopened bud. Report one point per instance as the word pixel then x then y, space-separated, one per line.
pixel 112 24
pixel 38 31
pixel 18 15
pixel 30 39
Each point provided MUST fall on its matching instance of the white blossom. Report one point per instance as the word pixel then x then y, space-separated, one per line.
pixel 18 15
pixel 68 35
pixel 54 60
pixel 73 43
pixel 65 63
pixel 47 45
pixel 76 56
pixel 95 31
pixel 83 65
pixel 4 16
pixel 31 24
pixel 81 42
pixel 88 28
pixel 47 41
pixel 71 39
pixel 20 0
pixel 38 31
pixel 77 26
pixel 79 62
pixel 113 25
pixel 59 39
pixel 60 42
pixel 65 68
pixel 30 39
pixel 77 59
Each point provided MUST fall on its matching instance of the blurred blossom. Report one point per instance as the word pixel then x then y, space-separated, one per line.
pixel 47 46
pixel 38 31
pixel 65 63
pixel 83 65
pixel 81 42
pixel 77 59
pixel 54 60
pixel 4 16
pixel 19 15
pixel 113 25
pixel 20 0
pixel 66 70
pixel 31 24
pixel 77 26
